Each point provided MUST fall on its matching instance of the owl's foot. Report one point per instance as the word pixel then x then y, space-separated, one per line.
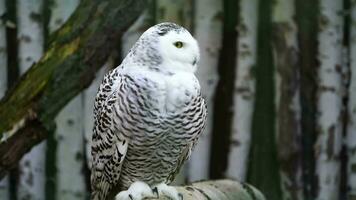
pixel 137 191
pixel 169 191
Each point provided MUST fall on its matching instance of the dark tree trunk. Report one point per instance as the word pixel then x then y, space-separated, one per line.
pixel 75 53
pixel 306 17
pixel 263 171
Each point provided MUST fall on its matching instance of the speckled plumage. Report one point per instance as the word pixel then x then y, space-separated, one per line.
pixel 148 113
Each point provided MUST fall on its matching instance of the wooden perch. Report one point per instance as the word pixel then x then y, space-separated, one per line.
pixel 76 51
pixel 219 190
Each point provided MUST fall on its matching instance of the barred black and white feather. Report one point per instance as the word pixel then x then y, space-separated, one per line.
pixel 149 113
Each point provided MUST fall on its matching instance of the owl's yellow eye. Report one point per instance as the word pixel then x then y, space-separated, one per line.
pixel 178 44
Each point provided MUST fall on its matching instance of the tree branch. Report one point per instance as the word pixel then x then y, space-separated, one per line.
pixel 219 190
pixel 76 51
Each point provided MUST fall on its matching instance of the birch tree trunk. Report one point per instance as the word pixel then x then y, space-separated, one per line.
pixel 208 30
pixel 70 152
pixel 4 183
pixel 351 126
pixel 244 90
pixel 329 100
pixel 31 42
pixel 287 90
pixel 61 10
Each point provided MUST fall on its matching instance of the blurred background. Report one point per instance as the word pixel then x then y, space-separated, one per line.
pixel 278 76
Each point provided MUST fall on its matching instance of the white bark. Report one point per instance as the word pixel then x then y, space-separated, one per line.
pixel 60 12
pixel 70 152
pixel 4 183
pixel 351 126
pixel 244 90
pixel 30 32
pixel 208 30
pixel 70 145
pixel 329 100
pixel 30 37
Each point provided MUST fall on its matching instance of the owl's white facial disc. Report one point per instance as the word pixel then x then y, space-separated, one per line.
pixel 165 47
pixel 179 50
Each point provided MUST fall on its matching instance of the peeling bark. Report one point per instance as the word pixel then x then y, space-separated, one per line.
pixel 208 30
pixel 287 87
pixel 329 100
pixel 244 90
pixel 76 51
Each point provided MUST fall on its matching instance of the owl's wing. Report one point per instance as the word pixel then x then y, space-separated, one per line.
pixel 105 89
pixel 201 122
pixel 109 144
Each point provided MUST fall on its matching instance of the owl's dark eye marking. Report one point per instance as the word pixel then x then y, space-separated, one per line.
pixel 162 32
pixel 178 44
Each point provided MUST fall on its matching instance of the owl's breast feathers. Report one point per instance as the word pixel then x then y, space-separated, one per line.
pixel 170 115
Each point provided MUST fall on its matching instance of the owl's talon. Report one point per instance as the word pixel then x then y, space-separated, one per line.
pixel 137 191
pixel 130 196
pixel 155 191
pixel 180 196
pixel 168 191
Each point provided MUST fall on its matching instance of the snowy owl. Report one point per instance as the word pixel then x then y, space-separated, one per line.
pixel 148 115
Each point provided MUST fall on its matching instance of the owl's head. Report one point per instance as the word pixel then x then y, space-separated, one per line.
pixel 168 46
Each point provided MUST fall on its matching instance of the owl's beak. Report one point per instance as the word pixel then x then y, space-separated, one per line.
pixel 195 61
